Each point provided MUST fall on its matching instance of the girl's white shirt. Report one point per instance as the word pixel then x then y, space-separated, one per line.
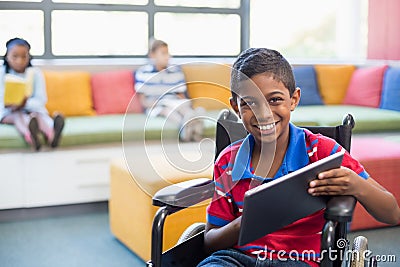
pixel 38 99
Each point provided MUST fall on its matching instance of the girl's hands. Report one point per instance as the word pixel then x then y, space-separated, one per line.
pixel 18 107
pixel 340 181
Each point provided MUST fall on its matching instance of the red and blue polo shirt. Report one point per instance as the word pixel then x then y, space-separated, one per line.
pixel 233 173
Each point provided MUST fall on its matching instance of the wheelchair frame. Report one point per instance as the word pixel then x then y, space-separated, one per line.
pixel 338 213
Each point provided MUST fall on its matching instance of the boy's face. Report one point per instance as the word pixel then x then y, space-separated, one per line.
pixel 264 105
pixel 161 57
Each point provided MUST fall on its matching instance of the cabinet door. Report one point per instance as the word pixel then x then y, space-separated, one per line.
pixel 11 181
pixel 69 176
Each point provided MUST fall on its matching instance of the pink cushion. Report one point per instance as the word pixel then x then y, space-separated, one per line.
pixel 373 148
pixel 112 93
pixel 365 87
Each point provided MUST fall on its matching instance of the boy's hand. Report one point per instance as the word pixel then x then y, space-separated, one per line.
pixel 340 181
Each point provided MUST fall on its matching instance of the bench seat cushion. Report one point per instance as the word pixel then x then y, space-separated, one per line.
pixel 367 119
pixel 82 130
pixel 380 156
pixel 86 130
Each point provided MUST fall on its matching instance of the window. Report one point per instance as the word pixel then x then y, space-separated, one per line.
pixel 27 24
pixel 82 33
pixel 22 0
pixel 114 2
pixel 122 28
pixel 197 3
pixel 322 29
pixel 199 34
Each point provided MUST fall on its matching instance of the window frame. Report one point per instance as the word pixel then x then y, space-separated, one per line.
pixel 47 6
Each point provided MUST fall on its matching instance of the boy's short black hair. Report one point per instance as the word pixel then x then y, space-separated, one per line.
pixel 254 61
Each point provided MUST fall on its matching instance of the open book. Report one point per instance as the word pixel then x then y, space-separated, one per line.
pixel 17 88
pixel 283 201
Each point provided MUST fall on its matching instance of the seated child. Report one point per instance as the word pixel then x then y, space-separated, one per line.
pixel 264 95
pixel 30 117
pixel 162 90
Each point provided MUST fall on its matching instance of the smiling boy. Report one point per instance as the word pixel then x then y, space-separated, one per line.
pixel 264 95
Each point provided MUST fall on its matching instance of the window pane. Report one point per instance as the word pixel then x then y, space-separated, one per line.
pixel 27 24
pixel 197 3
pixel 21 0
pixel 199 34
pixel 310 28
pixel 113 2
pixel 99 33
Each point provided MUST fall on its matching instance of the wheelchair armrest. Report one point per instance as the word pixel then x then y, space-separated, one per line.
pixel 340 208
pixel 184 194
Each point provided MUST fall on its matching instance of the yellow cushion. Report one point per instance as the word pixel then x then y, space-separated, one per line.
pixel 208 84
pixel 131 210
pixel 333 81
pixel 69 92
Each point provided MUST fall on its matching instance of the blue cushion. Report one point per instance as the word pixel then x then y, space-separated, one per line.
pixel 306 79
pixel 391 89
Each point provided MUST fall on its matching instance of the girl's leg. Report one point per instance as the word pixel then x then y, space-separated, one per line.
pixel 19 120
pixel 26 125
pixel 58 126
pixel 45 125
pixel 50 128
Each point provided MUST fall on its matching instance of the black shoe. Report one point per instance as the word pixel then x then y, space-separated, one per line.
pixel 58 127
pixel 34 130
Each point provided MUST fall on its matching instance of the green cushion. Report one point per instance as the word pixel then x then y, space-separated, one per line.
pixel 100 129
pixel 367 119
pixel 139 127
pixel 9 137
pixel 92 130
pixel 84 130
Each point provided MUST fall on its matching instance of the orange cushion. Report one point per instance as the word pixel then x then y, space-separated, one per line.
pixel 69 92
pixel 113 91
pixel 208 84
pixel 333 81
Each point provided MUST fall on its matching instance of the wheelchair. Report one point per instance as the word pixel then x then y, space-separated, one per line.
pixel 189 249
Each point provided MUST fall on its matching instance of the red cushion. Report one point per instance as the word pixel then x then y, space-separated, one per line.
pixel 112 93
pixel 365 87
pixel 381 159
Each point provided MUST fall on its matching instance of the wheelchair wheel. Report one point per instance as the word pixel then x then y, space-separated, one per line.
pixel 192 230
pixel 360 245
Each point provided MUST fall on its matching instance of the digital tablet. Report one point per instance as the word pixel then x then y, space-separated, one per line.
pixel 278 203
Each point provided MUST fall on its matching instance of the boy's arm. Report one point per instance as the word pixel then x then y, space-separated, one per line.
pixel 379 202
pixel 216 238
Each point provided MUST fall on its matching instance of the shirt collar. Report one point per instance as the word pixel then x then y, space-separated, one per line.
pixel 296 153
pixel 241 166
pixel 154 69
